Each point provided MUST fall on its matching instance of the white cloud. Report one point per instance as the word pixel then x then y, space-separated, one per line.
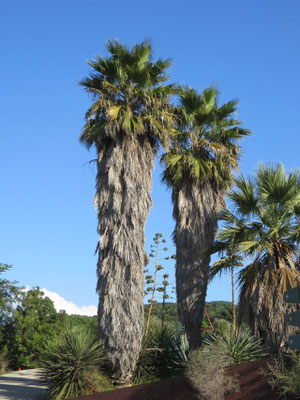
pixel 62 304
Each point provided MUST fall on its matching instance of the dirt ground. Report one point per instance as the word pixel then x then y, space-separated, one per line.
pixel 253 387
pixel 22 385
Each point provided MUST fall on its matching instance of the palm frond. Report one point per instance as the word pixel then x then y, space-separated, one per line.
pixel 130 95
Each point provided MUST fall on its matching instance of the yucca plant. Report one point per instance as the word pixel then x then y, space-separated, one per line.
pixel 72 365
pixel 164 354
pixel 182 344
pixel 238 348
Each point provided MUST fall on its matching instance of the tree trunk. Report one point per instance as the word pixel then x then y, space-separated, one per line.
pixel 267 314
pixel 195 209
pixel 124 183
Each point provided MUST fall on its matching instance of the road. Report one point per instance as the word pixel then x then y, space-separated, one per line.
pixel 22 385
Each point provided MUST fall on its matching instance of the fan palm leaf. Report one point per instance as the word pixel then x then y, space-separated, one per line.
pixel 264 226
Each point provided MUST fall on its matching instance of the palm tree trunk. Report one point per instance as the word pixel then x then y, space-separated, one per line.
pixel 233 300
pixel 195 209
pixel 267 314
pixel 124 182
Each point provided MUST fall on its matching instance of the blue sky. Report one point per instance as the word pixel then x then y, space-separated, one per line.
pixel 250 50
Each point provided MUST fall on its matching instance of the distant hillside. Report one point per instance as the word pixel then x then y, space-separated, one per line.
pixel 215 310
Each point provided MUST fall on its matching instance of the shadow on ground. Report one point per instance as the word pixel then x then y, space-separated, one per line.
pixel 22 385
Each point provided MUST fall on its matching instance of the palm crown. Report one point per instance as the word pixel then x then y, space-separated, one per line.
pixel 129 94
pixel 265 226
pixel 206 146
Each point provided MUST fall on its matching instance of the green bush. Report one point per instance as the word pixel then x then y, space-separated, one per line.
pixel 32 324
pixel 164 354
pixel 238 348
pixel 4 363
pixel 222 326
pixel 72 365
pixel 206 372
pixel 284 375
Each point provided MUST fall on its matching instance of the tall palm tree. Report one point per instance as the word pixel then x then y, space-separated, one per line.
pixel 198 168
pixel 265 225
pixel 127 121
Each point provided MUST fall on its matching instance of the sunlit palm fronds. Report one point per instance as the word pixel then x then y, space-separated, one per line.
pixel 264 226
pixel 207 140
pixel 129 95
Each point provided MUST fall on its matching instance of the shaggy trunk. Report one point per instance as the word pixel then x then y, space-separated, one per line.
pixel 124 183
pixel 267 314
pixel 195 209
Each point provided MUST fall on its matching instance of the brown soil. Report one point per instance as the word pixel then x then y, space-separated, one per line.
pixel 252 385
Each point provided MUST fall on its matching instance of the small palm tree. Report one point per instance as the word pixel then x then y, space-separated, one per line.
pixel 128 120
pixel 198 168
pixel 265 226
pixel 227 263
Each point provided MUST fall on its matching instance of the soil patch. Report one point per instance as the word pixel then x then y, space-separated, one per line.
pixel 252 385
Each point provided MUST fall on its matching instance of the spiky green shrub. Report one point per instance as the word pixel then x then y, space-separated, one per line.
pixel 164 354
pixel 206 372
pixel 240 347
pixel 72 365
pixel 284 375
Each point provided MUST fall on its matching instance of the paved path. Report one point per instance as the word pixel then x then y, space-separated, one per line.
pixel 22 385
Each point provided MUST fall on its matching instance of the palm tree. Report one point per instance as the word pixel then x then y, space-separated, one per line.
pixel 265 226
pixel 127 121
pixel 227 263
pixel 198 168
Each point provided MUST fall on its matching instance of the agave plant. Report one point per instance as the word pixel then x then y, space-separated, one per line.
pixel 72 365
pixel 182 344
pixel 238 348
pixel 164 354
